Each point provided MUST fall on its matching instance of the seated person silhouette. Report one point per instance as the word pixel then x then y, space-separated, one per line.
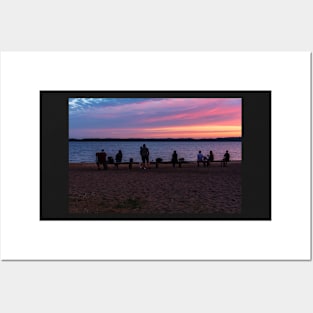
pixel 200 159
pixel 226 158
pixel 118 157
pixel 101 159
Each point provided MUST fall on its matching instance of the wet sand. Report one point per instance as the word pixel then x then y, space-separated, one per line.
pixel 155 191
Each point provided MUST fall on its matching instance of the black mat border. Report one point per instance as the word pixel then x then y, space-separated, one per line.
pixel 256 153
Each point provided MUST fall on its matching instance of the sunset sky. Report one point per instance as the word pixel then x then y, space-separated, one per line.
pixel 154 117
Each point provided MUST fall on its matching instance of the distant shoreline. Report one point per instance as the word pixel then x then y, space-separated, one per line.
pixel 236 139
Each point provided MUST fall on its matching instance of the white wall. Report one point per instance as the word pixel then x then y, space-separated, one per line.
pixel 156 286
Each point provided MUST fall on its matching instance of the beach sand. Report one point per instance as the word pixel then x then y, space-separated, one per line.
pixel 156 191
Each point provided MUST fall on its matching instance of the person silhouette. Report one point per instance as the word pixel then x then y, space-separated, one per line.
pixel 199 158
pixel 174 158
pixel 118 158
pixel 101 159
pixel 144 151
pixel 211 156
pixel 226 158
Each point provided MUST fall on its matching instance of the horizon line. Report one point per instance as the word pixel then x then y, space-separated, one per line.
pixel 169 138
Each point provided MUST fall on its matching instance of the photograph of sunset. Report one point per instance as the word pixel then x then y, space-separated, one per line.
pixel 155 158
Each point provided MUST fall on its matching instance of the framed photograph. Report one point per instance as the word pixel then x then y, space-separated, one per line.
pixel 155 155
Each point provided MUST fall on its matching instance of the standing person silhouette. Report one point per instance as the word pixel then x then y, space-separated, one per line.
pixel 174 158
pixel 211 156
pixel 145 156
pixel 141 156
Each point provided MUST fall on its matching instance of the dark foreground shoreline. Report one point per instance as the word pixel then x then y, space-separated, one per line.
pixel 164 191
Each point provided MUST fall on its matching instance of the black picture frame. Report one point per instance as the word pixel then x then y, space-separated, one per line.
pixel 256 153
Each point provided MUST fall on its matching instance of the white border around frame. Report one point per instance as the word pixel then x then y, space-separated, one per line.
pixel 286 237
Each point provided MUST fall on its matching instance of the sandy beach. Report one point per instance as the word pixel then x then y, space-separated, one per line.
pixel 155 191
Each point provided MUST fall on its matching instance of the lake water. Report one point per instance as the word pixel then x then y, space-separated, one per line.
pixel 84 151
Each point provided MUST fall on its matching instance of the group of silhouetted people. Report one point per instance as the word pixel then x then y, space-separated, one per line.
pixel 205 160
pixel 144 154
pixel 101 159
